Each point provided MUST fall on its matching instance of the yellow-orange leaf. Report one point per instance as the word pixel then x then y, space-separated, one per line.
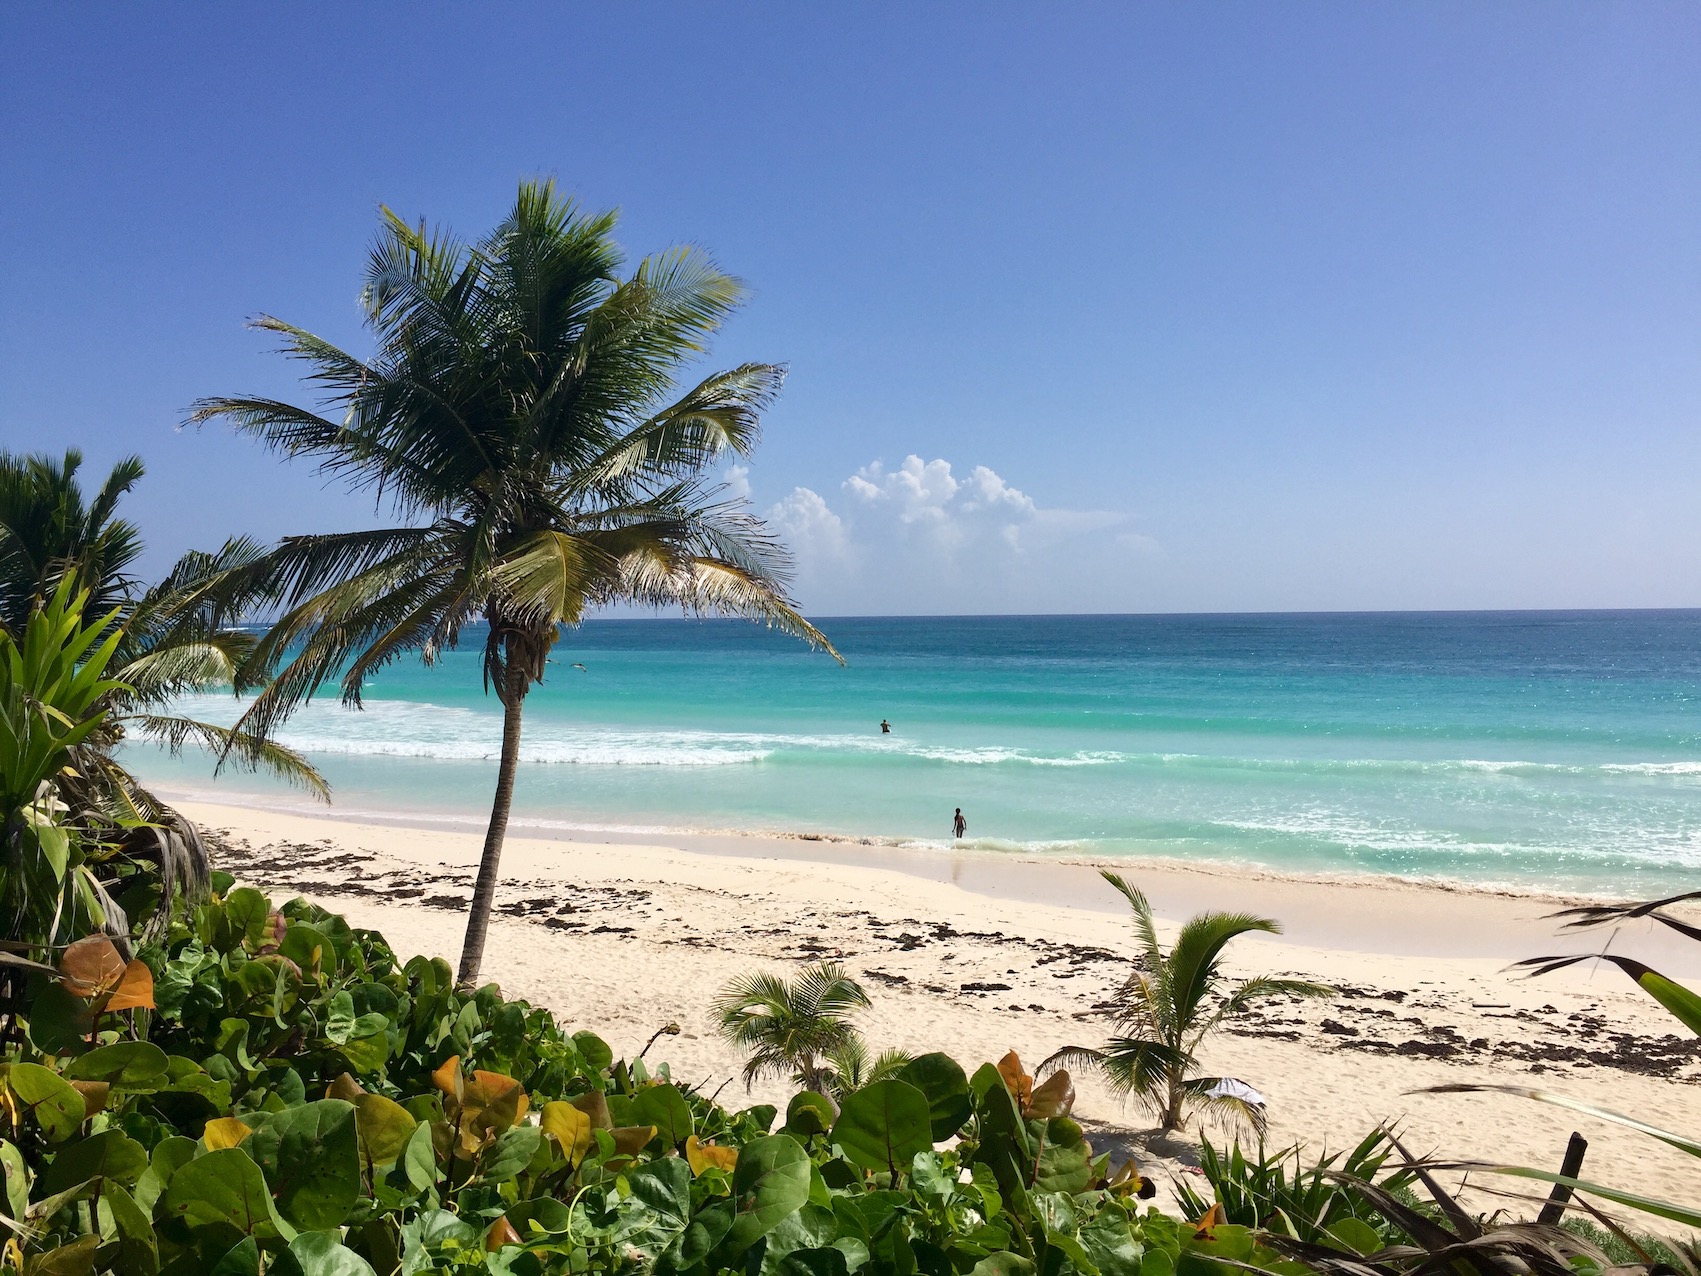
pixel 224 1132
pixel 706 1156
pixel 344 1087
pixel 94 1096
pixel 448 1078
pixel 135 990
pixel 91 967
pixel 501 1233
pixel 629 1140
pixel 1214 1217
pixel 569 1127
pixel 1018 1083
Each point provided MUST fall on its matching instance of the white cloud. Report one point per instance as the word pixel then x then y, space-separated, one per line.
pixel 738 482
pixel 815 534
pixel 917 537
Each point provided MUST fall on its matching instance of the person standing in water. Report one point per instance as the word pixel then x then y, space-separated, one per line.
pixel 959 825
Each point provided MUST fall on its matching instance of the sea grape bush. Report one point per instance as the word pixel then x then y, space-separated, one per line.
pixel 269 1090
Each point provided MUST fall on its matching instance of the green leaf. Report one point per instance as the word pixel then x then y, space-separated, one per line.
pixel 241 1259
pixel 127 1064
pixel 419 1159
pixel 1355 1234
pixel 320 1254
pixel 121 1219
pixel 664 1107
pixel 50 1099
pixel 511 1153
pixel 110 1155
pixel 55 844
pixel 881 1127
pixel 383 1126
pixel 16 1176
pixel 311 1158
pixel 249 914
pixel 770 1181
pixel 339 1018
pixel 820 1261
pixel 60 1021
pixel 596 1052
pixel 941 1079
pixel 224 1188
pixel 1003 1264
pixel 809 1113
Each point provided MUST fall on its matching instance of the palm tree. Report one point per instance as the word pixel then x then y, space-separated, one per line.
pixel 172 638
pixel 1167 1007
pixel 520 415
pixel 799 1027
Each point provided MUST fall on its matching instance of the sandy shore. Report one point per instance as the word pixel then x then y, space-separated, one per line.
pixel 976 954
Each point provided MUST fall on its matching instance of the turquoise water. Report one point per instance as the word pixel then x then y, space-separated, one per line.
pixel 1543 749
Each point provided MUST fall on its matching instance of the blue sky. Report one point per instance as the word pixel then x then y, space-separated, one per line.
pixel 1188 307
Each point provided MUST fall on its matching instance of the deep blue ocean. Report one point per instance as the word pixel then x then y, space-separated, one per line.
pixel 1534 749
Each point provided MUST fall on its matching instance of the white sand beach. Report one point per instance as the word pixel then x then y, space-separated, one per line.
pixel 976 954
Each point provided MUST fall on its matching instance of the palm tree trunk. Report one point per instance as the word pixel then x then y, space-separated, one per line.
pixel 490 863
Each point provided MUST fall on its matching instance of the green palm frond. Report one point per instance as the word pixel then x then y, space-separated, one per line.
pixel 791 1026
pixel 242 747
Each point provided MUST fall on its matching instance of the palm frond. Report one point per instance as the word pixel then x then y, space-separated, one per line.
pixel 230 744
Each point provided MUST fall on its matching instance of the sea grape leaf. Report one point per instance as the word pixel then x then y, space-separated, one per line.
pixel 16 1177
pixel 569 1126
pixel 882 1126
pixel 705 1156
pixel 511 1153
pixel 249 914
pixel 809 1113
pixel 383 1126
pixel 60 1021
pixel 419 1159
pixel 311 1157
pixel 127 1064
pixel 75 1259
pixel 225 1132
pixel 664 1107
pixel 770 1182
pixel 339 1018
pixel 111 1155
pixel 320 1254
pixel 1003 1263
pixel 123 1221
pixel 49 1098
pixel 241 1259
pixel 306 947
pixel 596 1052
pixel 225 1188
pixel 942 1080
pixel 706 1230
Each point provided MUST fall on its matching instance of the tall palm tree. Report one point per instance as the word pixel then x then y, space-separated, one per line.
pixel 172 638
pixel 520 415
pixel 1167 1007
pixel 800 1026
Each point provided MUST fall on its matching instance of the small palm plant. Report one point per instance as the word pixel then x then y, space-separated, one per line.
pixel 800 1026
pixel 1168 1006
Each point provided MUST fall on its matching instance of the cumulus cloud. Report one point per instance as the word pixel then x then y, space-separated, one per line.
pixel 919 537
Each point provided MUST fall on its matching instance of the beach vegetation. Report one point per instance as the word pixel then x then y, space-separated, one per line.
pixel 521 414
pixel 267 1089
pixel 1170 1003
pixel 799 1027
pixel 1315 1201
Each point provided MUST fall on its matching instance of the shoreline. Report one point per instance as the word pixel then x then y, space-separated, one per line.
pixel 1392 914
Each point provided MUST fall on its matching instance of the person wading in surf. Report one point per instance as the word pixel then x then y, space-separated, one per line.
pixel 959 825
